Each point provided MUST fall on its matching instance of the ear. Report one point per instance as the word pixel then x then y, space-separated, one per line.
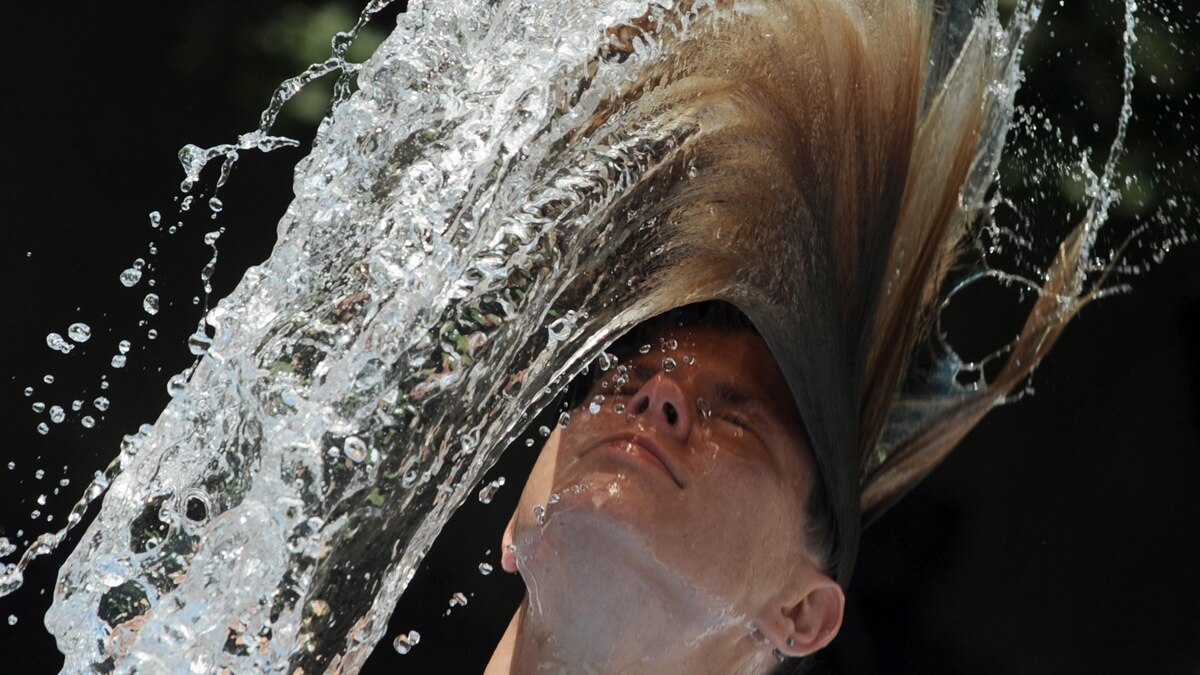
pixel 508 559
pixel 807 623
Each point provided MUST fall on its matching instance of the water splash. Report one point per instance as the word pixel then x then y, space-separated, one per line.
pixel 413 266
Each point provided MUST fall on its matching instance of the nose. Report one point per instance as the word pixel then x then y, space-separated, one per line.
pixel 661 404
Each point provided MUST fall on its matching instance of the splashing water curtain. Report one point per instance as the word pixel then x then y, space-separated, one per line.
pixel 475 224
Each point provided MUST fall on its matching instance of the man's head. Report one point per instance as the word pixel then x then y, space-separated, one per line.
pixel 686 471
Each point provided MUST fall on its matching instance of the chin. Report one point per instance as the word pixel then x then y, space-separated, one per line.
pixel 600 511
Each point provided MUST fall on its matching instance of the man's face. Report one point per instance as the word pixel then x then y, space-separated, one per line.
pixel 687 467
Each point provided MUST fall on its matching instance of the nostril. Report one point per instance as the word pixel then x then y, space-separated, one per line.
pixel 671 413
pixel 642 405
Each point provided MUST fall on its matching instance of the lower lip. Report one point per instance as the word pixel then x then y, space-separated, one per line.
pixel 634 450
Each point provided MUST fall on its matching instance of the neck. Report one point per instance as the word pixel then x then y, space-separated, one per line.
pixel 620 620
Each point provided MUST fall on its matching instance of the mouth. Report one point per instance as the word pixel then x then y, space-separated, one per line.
pixel 647 448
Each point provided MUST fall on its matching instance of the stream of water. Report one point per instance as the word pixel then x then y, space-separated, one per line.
pixel 475 223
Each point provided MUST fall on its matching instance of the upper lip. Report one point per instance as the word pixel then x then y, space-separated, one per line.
pixel 651 446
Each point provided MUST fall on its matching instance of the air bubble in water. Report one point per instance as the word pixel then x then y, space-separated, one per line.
pixel 79 332
pixel 619 408
pixel 704 407
pixel 594 406
pixel 355 449
pixel 487 492
pixel 405 642
pixel 485 569
pixel 150 303
pixel 668 364
pixel 689 359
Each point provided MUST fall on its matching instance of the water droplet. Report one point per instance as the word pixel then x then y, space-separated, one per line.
pixel 29 391
pixel 544 431
pixel 487 492
pixel 77 405
pixel 176 384
pixel 215 205
pixel 79 332
pixel 355 449
pixel 57 343
pixel 150 303
pixel 485 569
pixel 644 349
pixel 118 361
pixel 606 361
pixel 57 414
pixel 668 364
pixel 48 379
pixel 564 420
pixel 704 408
pixel 619 408
pixel 186 204
pixel 539 514
pixel 88 421
pixel 123 346
pixel 130 277
pixel 155 219
pixel 458 600
pixel 670 345
pixel 689 359
pixel 41 500
pixel 529 442
pixel 199 342
pixel 594 406
pixel 12 619
pixel 152 333
pixel 35 514
pixel 38 407
pixel 39 474
pixel 560 329
pixel 405 642
pixel 552 499
pixel 101 403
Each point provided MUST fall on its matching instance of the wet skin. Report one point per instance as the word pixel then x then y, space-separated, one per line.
pixel 668 525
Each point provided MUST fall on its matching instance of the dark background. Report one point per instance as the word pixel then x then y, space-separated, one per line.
pixel 1059 538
